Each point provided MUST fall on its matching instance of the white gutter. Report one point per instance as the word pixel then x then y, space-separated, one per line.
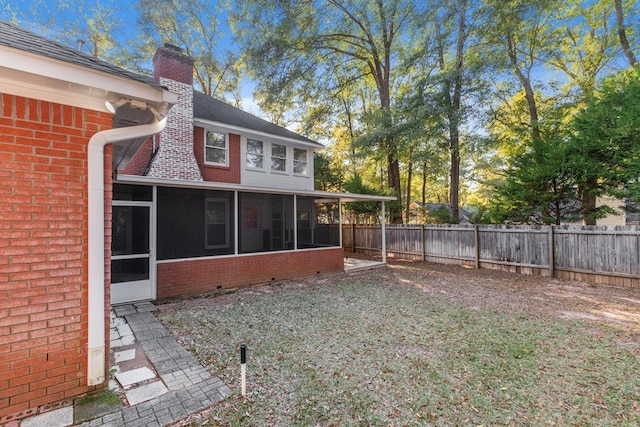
pixel 96 309
pixel 345 197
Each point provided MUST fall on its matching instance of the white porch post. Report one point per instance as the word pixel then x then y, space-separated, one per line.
pixel 236 223
pixel 340 220
pixel 384 234
pixel 295 222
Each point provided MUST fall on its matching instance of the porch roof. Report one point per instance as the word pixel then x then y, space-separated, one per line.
pixel 343 197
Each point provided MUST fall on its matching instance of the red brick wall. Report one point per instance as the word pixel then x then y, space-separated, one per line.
pixel 140 160
pixel 205 275
pixel 173 64
pixel 229 174
pixel 43 251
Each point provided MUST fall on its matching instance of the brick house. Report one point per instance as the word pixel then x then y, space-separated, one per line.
pixel 119 187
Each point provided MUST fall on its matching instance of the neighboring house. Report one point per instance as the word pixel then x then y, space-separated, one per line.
pixel 621 217
pixel 118 187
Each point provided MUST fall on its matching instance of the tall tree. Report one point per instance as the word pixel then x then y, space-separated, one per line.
pixel 292 49
pixel 587 46
pixel 451 72
pixel 539 186
pixel 606 140
pixel 196 27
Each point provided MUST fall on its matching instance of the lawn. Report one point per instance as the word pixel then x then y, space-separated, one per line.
pixel 416 345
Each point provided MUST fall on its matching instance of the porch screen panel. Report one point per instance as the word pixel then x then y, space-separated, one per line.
pixel 194 223
pixel 318 222
pixel 265 222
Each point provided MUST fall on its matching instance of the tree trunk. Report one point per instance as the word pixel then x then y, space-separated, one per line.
pixel 408 198
pixel 454 184
pixel 454 117
pixel 424 184
pixel 395 212
pixel 588 201
pixel 622 34
pixel 525 80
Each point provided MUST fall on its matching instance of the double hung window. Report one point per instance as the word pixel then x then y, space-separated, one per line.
pixel 215 147
pixel 300 162
pixel 278 158
pixel 255 154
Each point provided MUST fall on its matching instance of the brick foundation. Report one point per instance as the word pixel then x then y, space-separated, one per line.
pixel 191 277
pixel 43 251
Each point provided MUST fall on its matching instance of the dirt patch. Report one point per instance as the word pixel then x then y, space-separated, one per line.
pixel 536 295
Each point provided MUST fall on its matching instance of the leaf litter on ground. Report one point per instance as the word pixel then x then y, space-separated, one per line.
pixel 418 344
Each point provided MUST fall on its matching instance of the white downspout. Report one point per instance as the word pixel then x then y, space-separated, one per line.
pixel 95 185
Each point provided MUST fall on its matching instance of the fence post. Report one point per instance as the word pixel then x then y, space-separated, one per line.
pixel 423 239
pixel 476 235
pixel 353 237
pixel 552 255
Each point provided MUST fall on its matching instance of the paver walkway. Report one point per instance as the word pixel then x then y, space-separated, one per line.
pixel 162 382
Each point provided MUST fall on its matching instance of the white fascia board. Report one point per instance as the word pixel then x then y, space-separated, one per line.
pixel 345 197
pixel 24 73
pixel 250 132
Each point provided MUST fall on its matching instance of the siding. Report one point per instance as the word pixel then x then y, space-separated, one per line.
pixel 274 180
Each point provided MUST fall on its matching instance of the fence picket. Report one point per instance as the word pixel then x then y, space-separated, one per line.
pixel 601 251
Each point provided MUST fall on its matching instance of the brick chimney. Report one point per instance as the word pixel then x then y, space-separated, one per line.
pixel 175 158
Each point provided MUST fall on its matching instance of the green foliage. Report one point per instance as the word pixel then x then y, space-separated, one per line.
pixel 362 209
pixel 539 185
pixel 439 215
pixel 605 146
pixel 327 177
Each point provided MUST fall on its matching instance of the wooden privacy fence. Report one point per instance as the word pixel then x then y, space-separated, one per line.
pixel 594 254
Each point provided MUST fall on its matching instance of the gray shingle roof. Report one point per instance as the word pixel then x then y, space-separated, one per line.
pixel 18 38
pixel 208 108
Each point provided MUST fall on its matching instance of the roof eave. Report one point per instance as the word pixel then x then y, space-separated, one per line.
pixel 344 197
pixel 27 74
pixel 246 131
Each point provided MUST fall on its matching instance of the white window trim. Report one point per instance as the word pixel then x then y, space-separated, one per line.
pixel 227 223
pixel 226 148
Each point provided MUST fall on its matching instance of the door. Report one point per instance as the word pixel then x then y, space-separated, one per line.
pixel 131 252
pixel 251 233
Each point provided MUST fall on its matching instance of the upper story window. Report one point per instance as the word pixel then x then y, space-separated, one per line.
pixel 300 162
pixel 215 147
pixel 278 158
pixel 255 154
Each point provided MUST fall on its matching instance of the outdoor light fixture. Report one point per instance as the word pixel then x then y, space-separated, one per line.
pixel 112 107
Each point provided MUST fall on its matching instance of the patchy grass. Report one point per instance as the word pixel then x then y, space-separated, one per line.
pixel 405 346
